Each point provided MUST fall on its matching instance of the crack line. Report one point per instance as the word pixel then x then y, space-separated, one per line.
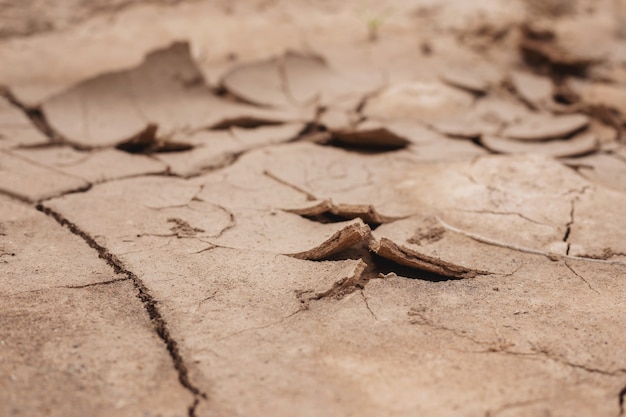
pixel 420 319
pixel 581 277
pixel 232 221
pixel 148 301
pixel 504 213
pixel 74 287
pixel 417 317
pixel 367 305
pixel 308 195
pixel 265 326
pixel 509 406
pixel 568 225
pixel 493 242
pixel 538 354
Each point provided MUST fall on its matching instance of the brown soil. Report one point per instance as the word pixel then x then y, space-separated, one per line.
pixel 309 208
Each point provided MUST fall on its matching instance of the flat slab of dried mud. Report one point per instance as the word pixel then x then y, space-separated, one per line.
pixel 313 208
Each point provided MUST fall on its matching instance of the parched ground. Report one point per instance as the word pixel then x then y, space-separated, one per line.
pixel 313 208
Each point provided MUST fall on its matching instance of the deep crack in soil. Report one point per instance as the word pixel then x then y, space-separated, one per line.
pixel 148 301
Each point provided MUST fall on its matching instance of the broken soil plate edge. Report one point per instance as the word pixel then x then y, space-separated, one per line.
pixel 340 240
pixel 407 257
pixel 559 148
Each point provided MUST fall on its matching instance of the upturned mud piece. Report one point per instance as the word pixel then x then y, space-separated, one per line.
pixel 460 127
pixel 421 242
pixel 167 90
pixel 580 144
pixel 404 256
pixel 549 52
pixel 370 135
pixel 496 111
pixel 564 47
pixel 545 127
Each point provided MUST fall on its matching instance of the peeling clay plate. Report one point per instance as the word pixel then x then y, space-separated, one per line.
pixel 167 91
pixel 581 144
pixel 544 127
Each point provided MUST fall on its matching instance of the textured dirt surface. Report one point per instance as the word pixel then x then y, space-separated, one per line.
pixel 310 208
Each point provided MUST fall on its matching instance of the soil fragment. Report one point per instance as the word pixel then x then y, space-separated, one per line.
pixel 544 127
pixel 581 144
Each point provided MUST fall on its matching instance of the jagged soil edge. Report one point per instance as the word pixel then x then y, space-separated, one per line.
pixel 147 300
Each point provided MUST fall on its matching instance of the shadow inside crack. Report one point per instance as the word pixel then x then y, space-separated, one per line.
pixel 329 217
pixel 364 148
pixel 245 122
pixel 385 267
pixel 338 214
pixel 147 142
pixel 366 138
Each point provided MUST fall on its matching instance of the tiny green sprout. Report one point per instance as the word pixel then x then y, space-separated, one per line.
pixel 373 24
pixel 374 20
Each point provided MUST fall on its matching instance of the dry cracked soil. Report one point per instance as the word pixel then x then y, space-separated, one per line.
pixel 312 208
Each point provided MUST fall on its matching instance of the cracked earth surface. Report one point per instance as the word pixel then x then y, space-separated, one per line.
pixel 307 208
